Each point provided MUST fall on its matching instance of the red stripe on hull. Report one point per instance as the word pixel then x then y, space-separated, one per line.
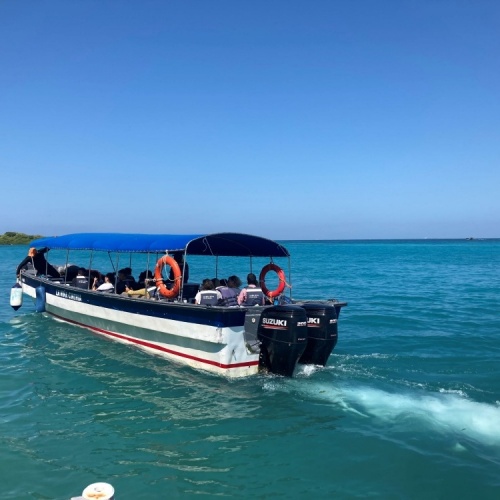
pixel 156 347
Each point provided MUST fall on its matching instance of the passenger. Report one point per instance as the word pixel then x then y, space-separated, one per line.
pixel 108 285
pixel 184 267
pixel 148 292
pixel 125 278
pixel 40 264
pixel 95 277
pixel 222 283
pixel 81 280
pixel 230 292
pixel 216 282
pixel 252 295
pixel 144 277
pixel 208 295
pixel 234 282
pixel 145 287
pixel 68 272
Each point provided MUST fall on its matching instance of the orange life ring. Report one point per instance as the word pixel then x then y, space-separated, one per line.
pixel 170 293
pixel 281 276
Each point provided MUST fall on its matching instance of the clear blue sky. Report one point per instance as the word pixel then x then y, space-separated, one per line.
pixel 291 119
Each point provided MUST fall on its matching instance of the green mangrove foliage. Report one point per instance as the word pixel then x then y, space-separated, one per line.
pixel 12 238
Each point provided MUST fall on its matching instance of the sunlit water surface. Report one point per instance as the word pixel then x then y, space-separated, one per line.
pixel 407 407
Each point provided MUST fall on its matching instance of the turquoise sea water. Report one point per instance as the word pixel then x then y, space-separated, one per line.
pixel 407 407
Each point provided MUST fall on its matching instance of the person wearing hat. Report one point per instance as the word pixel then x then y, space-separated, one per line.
pixel 40 264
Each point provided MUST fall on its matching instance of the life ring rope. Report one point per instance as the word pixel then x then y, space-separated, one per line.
pixel 173 292
pixel 281 276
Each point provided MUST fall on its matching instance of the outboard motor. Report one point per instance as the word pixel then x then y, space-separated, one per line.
pixel 322 331
pixel 282 332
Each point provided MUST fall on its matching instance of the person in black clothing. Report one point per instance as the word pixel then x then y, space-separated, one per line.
pixel 40 264
pixel 81 280
pixel 125 279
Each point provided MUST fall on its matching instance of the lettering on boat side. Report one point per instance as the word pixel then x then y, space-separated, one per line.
pixel 301 323
pixel 68 295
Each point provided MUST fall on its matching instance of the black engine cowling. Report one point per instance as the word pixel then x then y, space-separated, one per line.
pixel 322 333
pixel 283 335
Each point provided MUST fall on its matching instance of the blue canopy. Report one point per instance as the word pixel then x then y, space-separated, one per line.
pixel 221 244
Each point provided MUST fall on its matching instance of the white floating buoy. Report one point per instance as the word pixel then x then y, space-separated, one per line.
pixel 99 491
pixel 16 296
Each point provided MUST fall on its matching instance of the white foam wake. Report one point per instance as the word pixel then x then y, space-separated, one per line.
pixel 439 412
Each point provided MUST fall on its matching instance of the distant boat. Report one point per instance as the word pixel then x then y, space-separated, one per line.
pixel 226 340
pixel 470 238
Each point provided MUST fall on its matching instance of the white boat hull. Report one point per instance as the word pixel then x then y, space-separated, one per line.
pixel 218 349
